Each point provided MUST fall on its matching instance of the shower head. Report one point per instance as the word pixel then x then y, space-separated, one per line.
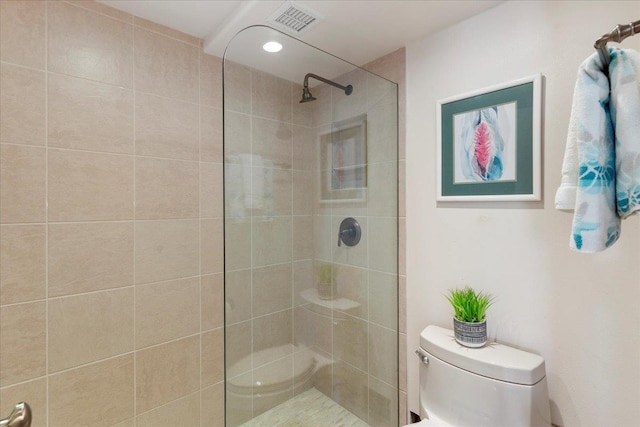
pixel 306 94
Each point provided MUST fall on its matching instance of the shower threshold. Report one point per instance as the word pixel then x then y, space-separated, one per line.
pixel 309 409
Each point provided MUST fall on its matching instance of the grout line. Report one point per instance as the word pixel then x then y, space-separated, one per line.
pixel 46 184
pixel 135 337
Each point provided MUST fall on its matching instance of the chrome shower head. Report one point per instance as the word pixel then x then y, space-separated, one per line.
pixel 306 95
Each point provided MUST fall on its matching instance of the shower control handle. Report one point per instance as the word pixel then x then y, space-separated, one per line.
pixel 19 417
pixel 349 232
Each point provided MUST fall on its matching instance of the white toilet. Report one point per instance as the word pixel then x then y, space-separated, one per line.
pixel 493 386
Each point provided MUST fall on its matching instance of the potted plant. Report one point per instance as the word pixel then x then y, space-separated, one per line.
pixel 326 279
pixel 469 315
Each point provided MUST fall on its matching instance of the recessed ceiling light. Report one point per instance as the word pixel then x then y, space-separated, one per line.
pixel 272 47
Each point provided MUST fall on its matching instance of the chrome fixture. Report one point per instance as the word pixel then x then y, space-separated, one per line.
pixel 19 417
pixel 349 232
pixel 619 33
pixel 422 356
pixel 306 94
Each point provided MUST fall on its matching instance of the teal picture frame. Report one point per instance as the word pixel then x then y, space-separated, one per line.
pixel 488 143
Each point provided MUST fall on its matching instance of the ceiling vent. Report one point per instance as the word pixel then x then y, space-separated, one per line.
pixel 295 19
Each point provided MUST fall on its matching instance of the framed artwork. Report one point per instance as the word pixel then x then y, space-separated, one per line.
pixel 343 161
pixel 488 143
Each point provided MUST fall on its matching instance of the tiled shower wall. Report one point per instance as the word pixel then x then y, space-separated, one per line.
pixel 111 219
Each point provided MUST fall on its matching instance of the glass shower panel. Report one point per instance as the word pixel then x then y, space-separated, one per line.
pixel 310 321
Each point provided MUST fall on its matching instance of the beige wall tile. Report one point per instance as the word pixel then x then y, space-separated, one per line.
pixel 22 342
pixel 22 184
pixel 34 393
pixel 90 257
pixel 302 280
pixel 167 311
pixel 402 404
pixel 131 422
pixel 382 133
pixel 166 31
pixel 270 96
pixel 304 190
pixel 237 296
pixel 212 357
pixel 210 80
pixel 166 250
pixel 100 394
pixel 237 135
pixel 166 128
pixel 272 141
pixel 212 301
pixel 211 190
pixel 22 33
pixel 350 389
pixel 305 148
pixel 345 107
pixel 89 116
pixel 22 263
pixel 383 189
pixel 272 289
pixel 402 304
pixel 324 237
pixel 86 44
pixel 103 9
pixel 166 67
pixel 383 404
pixel 271 241
pixel 22 105
pixel 402 246
pixel 352 284
pixel 350 340
pixel 90 327
pixel 87 186
pixel 211 134
pixel 272 332
pixel 402 188
pixel 183 412
pixel 383 354
pixel 302 237
pixel 237 87
pixel 402 362
pixel 238 349
pixel 211 246
pixel 383 299
pixel 212 406
pixel 167 372
pixel 166 189
pixel 383 244
pixel 237 245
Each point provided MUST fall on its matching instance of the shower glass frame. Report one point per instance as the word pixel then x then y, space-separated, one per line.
pixel 345 347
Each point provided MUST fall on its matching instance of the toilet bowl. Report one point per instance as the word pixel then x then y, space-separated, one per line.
pixel 493 386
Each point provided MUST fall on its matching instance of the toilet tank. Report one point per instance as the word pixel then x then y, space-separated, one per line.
pixel 492 386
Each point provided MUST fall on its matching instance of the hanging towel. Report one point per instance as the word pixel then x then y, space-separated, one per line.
pixel 624 73
pixel 589 163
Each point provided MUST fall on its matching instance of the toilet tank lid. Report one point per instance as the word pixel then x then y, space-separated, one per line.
pixel 497 361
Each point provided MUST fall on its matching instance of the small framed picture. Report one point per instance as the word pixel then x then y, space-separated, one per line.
pixel 343 161
pixel 488 143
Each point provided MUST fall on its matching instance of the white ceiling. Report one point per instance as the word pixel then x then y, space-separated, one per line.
pixel 357 31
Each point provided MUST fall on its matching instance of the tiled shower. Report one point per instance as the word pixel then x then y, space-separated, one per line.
pixel 111 212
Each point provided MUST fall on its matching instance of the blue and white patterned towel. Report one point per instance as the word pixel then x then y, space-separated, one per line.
pixel 625 114
pixel 601 168
pixel 589 164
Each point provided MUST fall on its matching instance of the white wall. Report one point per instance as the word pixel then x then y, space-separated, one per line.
pixel 580 312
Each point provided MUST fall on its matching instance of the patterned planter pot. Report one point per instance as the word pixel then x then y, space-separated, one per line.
pixel 470 334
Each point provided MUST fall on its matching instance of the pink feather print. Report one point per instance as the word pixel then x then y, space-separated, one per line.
pixel 482 148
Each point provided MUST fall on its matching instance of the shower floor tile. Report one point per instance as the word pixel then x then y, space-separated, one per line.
pixel 309 409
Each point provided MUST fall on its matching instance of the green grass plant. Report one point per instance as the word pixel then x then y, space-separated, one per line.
pixel 469 305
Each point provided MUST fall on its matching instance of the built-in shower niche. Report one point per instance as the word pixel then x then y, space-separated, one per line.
pixel 308 323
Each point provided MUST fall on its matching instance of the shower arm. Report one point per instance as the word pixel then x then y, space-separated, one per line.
pixel 347 89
